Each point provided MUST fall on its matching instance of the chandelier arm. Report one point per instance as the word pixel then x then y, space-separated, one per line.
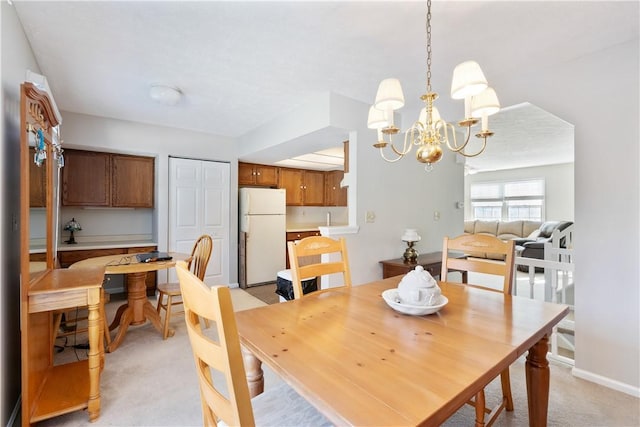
pixel 405 150
pixel 387 159
pixel 484 144
pixel 456 148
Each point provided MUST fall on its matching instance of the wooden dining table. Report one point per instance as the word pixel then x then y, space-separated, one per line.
pixel 359 362
pixel 138 309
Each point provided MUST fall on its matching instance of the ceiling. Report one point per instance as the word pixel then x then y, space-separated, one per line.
pixel 240 65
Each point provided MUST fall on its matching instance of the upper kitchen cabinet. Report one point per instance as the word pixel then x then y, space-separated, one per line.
pixel 132 181
pixel 108 180
pixel 259 175
pixel 304 187
pixel 86 179
pixel 334 195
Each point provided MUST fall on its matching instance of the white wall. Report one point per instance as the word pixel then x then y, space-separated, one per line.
pixel 559 188
pixel 598 93
pixel 103 134
pixel 16 59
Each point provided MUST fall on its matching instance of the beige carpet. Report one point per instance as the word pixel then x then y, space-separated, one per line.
pixel 151 382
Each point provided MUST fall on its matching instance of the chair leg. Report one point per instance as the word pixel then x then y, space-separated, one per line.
pixel 480 403
pixel 167 316
pixel 159 304
pixel 506 389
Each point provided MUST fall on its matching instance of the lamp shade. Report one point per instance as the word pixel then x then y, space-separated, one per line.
pixel 468 80
pixel 72 225
pixel 376 119
pixel 410 235
pixel 165 94
pixel 389 95
pixel 486 102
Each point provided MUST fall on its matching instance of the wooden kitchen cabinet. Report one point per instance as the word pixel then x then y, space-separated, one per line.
pixel 259 175
pixel 132 181
pixel 334 195
pixel 92 178
pixel 86 178
pixel 304 187
pixel 66 258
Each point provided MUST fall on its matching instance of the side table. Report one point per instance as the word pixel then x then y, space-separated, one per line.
pixel 431 262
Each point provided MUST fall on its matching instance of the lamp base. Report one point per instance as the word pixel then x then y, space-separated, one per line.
pixel 410 255
pixel 72 240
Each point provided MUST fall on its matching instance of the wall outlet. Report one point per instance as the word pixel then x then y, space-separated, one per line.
pixel 370 216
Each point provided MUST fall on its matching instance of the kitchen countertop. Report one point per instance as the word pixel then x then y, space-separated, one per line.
pixel 80 246
pixel 293 228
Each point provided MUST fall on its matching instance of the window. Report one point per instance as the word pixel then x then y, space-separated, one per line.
pixel 508 201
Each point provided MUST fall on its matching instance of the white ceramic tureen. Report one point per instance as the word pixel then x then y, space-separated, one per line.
pixel 418 287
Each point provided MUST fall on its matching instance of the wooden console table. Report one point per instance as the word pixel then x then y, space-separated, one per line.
pixel 73 386
pixel 431 262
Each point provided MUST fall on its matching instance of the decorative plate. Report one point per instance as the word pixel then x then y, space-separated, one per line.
pixel 393 300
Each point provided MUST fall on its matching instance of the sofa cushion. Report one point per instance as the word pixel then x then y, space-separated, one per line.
pixel 529 227
pixel 469 226
pixel 486 227
pixel 508 230
pixel 547 228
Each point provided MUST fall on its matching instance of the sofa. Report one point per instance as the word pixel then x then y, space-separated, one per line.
pixel 530 236
pixel 503 230
pixel 533 245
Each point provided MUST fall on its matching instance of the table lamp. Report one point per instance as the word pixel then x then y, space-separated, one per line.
pixel 410 236
pixel 72 226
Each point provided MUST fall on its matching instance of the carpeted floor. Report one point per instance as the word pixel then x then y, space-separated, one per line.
pixel 151 382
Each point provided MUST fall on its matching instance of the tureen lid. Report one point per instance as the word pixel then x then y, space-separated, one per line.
pixel 418 278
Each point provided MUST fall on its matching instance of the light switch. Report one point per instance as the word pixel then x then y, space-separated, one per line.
pixel 436 215
pixel 370 216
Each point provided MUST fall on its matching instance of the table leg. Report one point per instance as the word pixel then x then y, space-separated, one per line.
pixel 255 376
pixel 136 311
pixel 537 373
pixel 118 316
pixel 95 353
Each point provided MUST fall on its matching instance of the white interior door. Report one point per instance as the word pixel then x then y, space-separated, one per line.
pixel 199 204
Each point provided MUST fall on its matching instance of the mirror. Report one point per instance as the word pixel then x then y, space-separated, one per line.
pixel 39 159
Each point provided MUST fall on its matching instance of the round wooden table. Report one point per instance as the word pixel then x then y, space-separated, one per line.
pixel 137 310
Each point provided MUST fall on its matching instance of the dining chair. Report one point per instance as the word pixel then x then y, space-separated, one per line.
pixel 218 354
pixel 197 262
pixel 317 246
pixel 487 244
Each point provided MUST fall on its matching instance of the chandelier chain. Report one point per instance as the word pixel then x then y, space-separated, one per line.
pixel 428 46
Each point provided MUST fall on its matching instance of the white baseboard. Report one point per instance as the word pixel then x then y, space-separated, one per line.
pixel 233 285
pixel 607 382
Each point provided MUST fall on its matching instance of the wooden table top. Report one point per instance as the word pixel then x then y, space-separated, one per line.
pixel 362 363
pixel 128 263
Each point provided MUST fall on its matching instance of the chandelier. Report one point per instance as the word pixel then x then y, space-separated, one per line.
pixel 430 132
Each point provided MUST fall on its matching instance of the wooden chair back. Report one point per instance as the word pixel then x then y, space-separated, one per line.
pixel 317 246
pixel 475 243
pixel 222 354
pixel 200 255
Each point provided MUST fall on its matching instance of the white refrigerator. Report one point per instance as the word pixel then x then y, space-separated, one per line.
pixel 262 235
